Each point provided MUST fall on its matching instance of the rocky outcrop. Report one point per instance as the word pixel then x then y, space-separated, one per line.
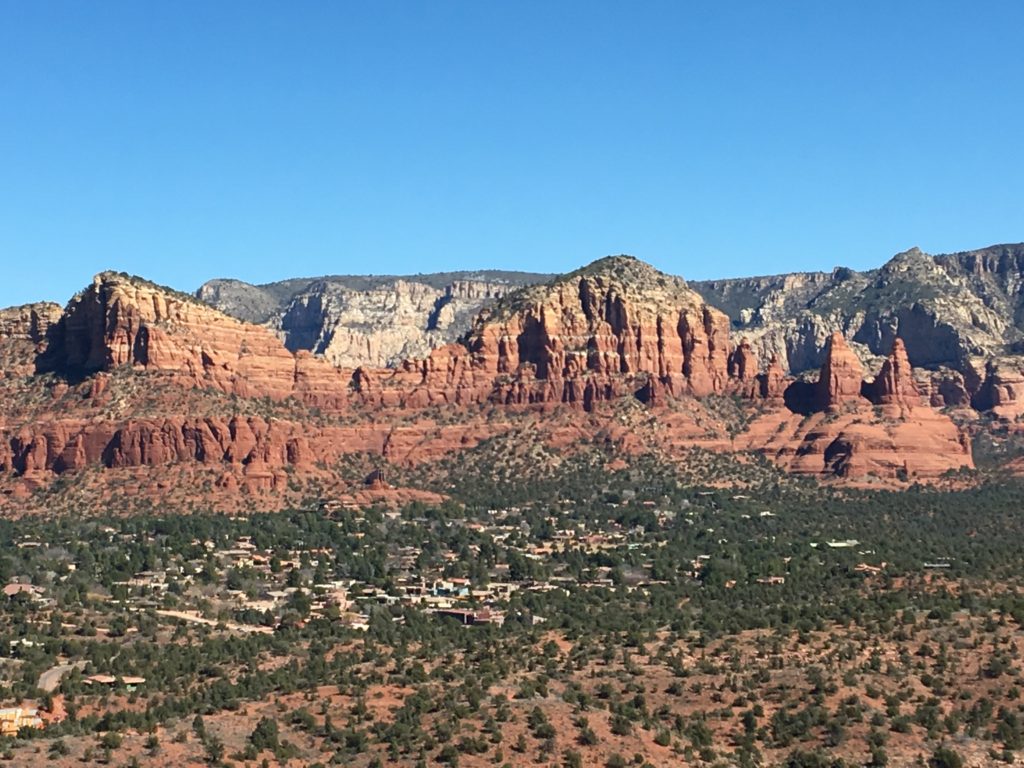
pixel 23 332
pixel 945 388
pixel 261 304
pixel 124 321
pixel 894 384
pixel 592 336
pixel 384 325
pixel 949 311
pixel 249 445
pixel 859 444
pixel 771 313
pixel 743 362
pixel 28 323
pixel 602 326
pixel 841 375
pixel 844 427
pixel 1002 390
pixel 743 370
pixel 595 335
pixel 772 383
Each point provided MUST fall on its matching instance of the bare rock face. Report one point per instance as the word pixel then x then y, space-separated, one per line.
pixel 317 384
pixel 743 361
pixel 858 443
pixel 944 387
pixel 948 309
pixel 587 337
pixel 23 335
pixel 595 335
pixel 367 321
pixel 834 429
pixel 383 325
pixel 29 322
pixel 772 383
pixel 124 321
pixel 894 384
pixel 743 368
pixel 234 464
pixel 841 375
pixel 243 444
pixel 1002 390
pixel 924 445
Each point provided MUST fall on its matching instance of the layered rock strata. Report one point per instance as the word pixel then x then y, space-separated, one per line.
pixel 616 329
pixel 23 333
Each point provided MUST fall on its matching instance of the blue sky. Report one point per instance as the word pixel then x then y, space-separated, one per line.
pixel 189 140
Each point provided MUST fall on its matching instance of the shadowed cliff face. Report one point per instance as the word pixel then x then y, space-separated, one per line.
pixel 23 334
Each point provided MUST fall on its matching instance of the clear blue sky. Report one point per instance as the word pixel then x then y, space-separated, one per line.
pixel 261 140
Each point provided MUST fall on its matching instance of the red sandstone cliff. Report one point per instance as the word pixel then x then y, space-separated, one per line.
pixel 591 336
pixel 773 382
pixel 1002 389
pixel 894 384
pixel 860 444
pixel 125 321
pixel 163 374
pixel 846 436
pixel 23 332
pixel 841 375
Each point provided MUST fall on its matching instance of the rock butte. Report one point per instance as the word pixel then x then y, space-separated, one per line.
pixel 615 330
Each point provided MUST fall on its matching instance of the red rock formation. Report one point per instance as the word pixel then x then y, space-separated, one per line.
pixel 1002 390
pixel 772 383
pixel 591 337
pixel 252 442
pixel 616 329
pixel 319 385
pixel 23 331
pixel 743 362
pixel 858 444
pixel 122 321
pixel 841 375
pixel 376 480
pixel 706 350
pixel 894 384
pixel 743 371
pixel 943 388
pixel 901 441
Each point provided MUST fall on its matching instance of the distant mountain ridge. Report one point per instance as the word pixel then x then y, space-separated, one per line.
pixel 376 320
pixel 954 310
